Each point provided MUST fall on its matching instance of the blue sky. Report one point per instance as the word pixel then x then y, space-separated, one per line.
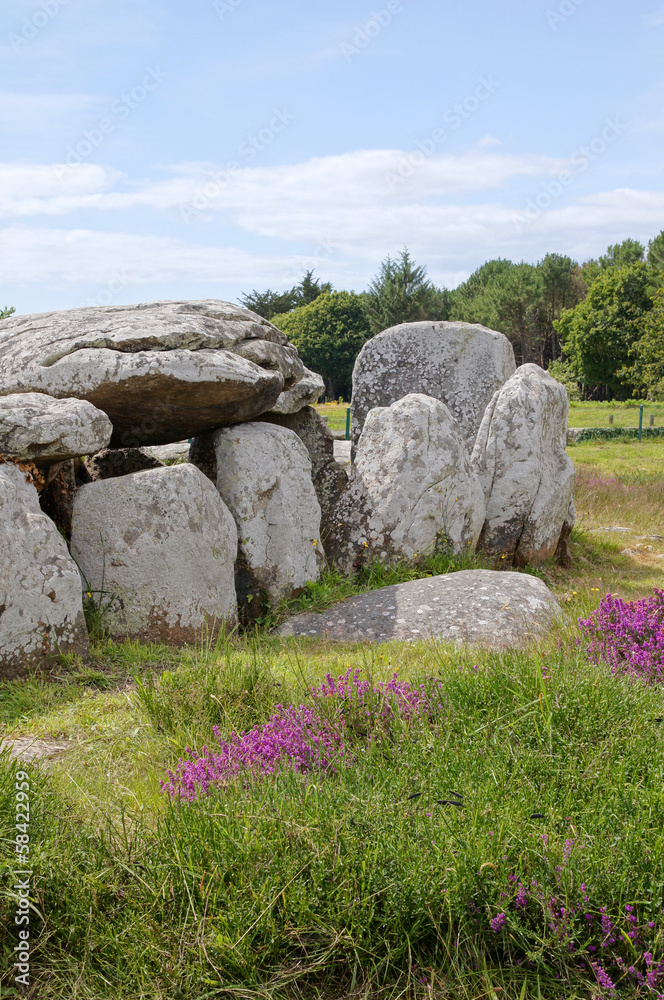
pixel 158 149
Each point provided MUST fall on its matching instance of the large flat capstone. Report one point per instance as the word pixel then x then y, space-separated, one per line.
pixel 497 609
pixel 161 371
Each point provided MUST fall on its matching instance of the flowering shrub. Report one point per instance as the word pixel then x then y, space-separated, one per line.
pixel 628 635
pixel 307 738
pixel 589 936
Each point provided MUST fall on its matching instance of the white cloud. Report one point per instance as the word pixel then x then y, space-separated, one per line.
pixel 452 240
pixel 339 210
pixel 90 259
pixel 262 198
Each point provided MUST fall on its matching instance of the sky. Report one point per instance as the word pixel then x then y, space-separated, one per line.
pixel 155 149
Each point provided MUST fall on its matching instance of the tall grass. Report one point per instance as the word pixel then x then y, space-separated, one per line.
pixel 368 881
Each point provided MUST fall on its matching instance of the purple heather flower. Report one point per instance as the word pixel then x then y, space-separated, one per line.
pixel 628 636
pixel 498 922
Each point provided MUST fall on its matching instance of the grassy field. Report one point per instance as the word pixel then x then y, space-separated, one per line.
pixel 624 414
pixel 362 882
pixel 580 414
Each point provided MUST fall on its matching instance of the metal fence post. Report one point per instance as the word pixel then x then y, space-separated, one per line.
pixel 348 423
pixel 640 421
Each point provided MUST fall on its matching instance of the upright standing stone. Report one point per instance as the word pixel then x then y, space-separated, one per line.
pixel 526 474
pixel 41 611
pixel 157 548
pixel 461 364
pixel 329 476
pixel 411 488
pixel 263 473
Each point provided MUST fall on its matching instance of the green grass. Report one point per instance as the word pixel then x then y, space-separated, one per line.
pixel 343 886
pixel 335 414
pixel 625 414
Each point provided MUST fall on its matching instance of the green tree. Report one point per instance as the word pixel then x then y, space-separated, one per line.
pixel 400 293
pixel 471 302
pixel 309 289
pixel 7 311
pixel 268 304
pixel 329 334
pixel 518 301
pixel 561 290
pixel 599 335
pixel 647 372
pixel 617 255
pixel 656 260
pixel 622 254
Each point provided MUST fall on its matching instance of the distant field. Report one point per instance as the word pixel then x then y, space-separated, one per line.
pixel 335 415
pixel 580 414
pixel 624 414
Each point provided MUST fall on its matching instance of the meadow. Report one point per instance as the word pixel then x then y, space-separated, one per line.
pixel 506 842
pixel 581 414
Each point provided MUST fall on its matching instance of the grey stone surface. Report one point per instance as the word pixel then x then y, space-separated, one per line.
pixel 329 477
pixel 114 462
pixel 162 371
pixel 342 451
pixel 36 428
pixel 170 453
pixel 497 609
pixel 461 364
pixel 263 473
pixel 305 392
pixel 411 488
pixel 526 474
pixel 159 548
pixel 31 749
pixel 41 610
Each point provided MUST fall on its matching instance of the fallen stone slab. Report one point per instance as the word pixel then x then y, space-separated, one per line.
pixel 497 609
pixel 30 749
pixel 36 428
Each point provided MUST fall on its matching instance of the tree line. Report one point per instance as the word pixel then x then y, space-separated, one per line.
pixel 597 326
